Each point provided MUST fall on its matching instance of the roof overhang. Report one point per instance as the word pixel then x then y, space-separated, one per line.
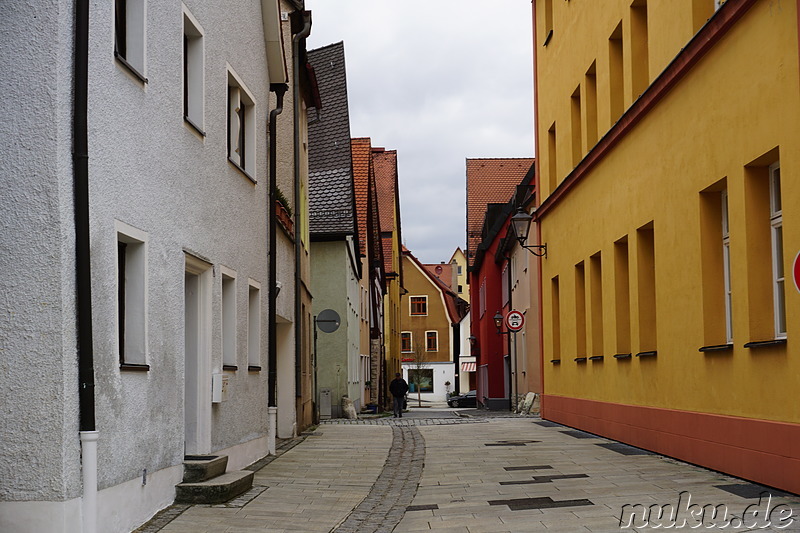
pixel 273 39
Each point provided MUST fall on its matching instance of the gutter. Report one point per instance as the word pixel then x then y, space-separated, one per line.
pixel 279 89
pixel 83 274
pixel 298 301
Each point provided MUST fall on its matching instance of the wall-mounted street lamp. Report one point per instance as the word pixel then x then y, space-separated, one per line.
pixel 498 323
pixel 521 224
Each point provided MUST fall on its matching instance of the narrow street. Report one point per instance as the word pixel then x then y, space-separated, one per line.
pixel 480 472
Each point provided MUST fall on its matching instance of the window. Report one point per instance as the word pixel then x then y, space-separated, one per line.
pixel 193 65
pixel 551 157
pixel 556 318
pixel 622 302
pixel 482 298
pixel 548 21
pixel 129 35
pixel 419 305
pixel 254 326
pixel 776 222
pixel 131 297
pixel 458 270
pixel 228 320
pixel 590 82
pixel 420 380
pixel 580 310
pixel 616 76
pixel 460 289
pixel 432 341
pixel 596 292
pixel 726 267
pixel 646 266
pixel 241 126
pixel 575 107
pixel 405 342
pixel 640 70
pixel 504 279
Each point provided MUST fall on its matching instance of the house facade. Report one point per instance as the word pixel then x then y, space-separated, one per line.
pixel 428 339
pixel 336 264
pixel 132 254
pixel 668 324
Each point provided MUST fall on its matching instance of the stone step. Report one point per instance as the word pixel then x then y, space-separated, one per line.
pixel 202 467
pixel 218 490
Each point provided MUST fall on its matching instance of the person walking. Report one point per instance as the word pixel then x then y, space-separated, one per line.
pixel 398 387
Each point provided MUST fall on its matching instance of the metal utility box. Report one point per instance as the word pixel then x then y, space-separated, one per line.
pixel 325 403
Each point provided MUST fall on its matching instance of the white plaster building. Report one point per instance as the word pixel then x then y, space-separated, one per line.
pixel 178 104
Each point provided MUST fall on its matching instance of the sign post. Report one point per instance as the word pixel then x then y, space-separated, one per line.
pixel 514 323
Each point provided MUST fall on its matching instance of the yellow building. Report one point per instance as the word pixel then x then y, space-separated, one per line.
pixel 459 262
pixel 663 129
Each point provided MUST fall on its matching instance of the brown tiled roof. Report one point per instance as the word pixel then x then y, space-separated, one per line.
pixel 330 173
pixel 456 307
pixel 384 165
pixel 490 181
pixel 361 150
pixel 443 271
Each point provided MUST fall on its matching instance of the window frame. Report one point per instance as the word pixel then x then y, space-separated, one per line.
pixel 435 337
pixel 726 266
pixel 193 72
pixel 132 298
pixel 777 255
pixel 130 36
pixel 410 336
pixel 424 302
pixel 253 326
pixel 229 318
pixel 242 104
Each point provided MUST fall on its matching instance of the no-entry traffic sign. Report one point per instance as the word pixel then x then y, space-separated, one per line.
pixel 796 271
pixel 515 320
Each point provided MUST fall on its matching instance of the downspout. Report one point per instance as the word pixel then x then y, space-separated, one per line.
pixel 298 235
pixel 83 276
pixel 272 400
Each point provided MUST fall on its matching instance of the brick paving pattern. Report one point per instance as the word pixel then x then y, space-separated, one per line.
pixel 395 487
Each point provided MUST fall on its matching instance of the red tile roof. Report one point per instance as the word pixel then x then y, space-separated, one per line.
pixel 443 271
pixel 384 165
pixel 490 181
pixel 361 150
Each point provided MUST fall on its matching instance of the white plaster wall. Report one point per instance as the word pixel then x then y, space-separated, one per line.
pixel 39 456
pixel 441 372
pixel 152 171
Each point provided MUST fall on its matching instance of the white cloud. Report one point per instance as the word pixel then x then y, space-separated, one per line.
pixel 439 82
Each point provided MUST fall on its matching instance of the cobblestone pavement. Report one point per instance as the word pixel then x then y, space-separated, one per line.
pixel 484 475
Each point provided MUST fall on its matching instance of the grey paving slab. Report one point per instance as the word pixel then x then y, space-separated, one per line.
pixel 428 474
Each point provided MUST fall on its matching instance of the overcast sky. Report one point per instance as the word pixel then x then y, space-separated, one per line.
pixel 439 82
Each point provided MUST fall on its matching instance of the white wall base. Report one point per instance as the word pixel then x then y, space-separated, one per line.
pixel 124 507
pixel 241 455
pixel 41 517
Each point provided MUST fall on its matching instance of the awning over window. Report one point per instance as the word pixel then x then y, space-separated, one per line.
pixel 468 367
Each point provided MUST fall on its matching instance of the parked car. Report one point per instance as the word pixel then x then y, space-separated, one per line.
pixel 468 399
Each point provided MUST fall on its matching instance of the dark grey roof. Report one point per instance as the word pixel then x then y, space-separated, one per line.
pixel 331 196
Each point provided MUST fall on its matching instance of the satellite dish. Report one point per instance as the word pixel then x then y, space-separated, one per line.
pixel 328 321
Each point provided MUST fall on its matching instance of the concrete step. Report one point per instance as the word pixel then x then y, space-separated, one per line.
pixel 218 490
pixel 202 467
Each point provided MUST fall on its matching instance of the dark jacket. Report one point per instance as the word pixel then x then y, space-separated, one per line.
pixel 398 387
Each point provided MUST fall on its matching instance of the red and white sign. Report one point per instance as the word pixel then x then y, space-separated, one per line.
pixel 515 320
pixel 796 271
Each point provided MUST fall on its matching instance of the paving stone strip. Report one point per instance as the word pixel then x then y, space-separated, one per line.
pixel 394 490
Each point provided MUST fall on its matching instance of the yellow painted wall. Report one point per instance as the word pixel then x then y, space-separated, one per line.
pixel 459 260
pixel 417 283
pixel 739 103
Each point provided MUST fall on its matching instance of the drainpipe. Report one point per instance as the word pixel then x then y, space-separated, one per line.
pixel 272 401
pixel 83 276
pixel 298 235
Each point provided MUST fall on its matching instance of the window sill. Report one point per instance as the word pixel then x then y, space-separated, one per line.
pixel 647 354
pixel 230 367
pixel 194 126
pixel 134 367
pixel 580 359
pixel 596 358
pixel 253 368
pixel 764 344
pixel 717 348
pixel 556 361
pixel 130 67
pixel 243 171
pixel 622 356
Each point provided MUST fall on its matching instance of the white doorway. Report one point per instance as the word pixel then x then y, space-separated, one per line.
pixel 197 356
